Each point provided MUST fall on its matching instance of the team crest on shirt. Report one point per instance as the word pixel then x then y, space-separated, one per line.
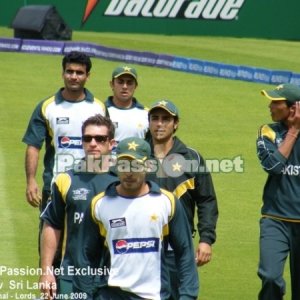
pixel 62 120
pixel 116 223
pixel 80 194
pixel 154 218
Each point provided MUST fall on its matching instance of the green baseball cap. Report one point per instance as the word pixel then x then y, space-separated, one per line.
pixel 167 105
pixel 287 91
pixel 133 147
pixel 117 72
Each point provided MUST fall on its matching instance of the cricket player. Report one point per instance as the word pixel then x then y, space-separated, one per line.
pixel 182 171
pixel 135 218
pixel 129 116
pixel 278 148
pixel 57 121
pixel 72 193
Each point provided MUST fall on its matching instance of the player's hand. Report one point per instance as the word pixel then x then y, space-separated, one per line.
pixel 33 194
pixel 203 254
pixel 47 284
pixel 294 117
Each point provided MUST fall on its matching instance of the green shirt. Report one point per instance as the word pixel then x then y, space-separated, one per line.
pixel 71 196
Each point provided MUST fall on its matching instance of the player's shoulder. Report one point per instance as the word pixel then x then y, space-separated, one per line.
pixel 109 188
pixel 99 106
pixel 138 105
pixel 95 203
pixel 43 104
pixel 194 152
pixel 193 155
pixel 98 197
pixel 171 199
pixel 64 176
pixel 168 194
pixel 269 130
pixel 63 182
pixel 99 102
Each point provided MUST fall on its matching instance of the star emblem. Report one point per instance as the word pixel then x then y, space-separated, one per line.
pixel 163 103
pixel 127 69
pixel 132 146
pixel 176 167
pixel 154 218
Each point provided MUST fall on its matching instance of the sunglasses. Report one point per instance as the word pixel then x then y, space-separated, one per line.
pixel 98 138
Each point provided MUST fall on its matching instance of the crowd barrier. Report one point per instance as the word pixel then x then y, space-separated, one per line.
pixel 183 64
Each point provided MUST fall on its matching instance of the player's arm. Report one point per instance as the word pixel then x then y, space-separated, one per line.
pixel 273 157
pixel 49 242
pixel 271 160
pixel 34 138
pixel 181 241
pixel 207 212
pixel 91 253
pixel 33 194
pixel 53 218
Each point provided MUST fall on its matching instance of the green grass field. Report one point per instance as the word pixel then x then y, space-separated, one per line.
pixel 219 117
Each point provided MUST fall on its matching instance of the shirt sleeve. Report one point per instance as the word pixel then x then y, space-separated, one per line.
pixel 93 254
pixel 37 128
pixel 55 212
pixel 180 239
pixel 270 158
pixel 205 198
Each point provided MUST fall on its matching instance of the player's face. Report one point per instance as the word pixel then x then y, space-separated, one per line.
pixel 95 141
pixel 123 89
pixel 279 110
pixel 75 77
pixel 162 125
pixel 132 177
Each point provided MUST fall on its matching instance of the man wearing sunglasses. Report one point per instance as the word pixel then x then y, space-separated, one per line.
pixel 129 116
pixel 71 194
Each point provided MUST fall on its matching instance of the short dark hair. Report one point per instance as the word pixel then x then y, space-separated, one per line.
pixel 100 120
pixel 77 57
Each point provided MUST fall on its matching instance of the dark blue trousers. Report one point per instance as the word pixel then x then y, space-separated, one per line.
pixel 278 240
pixel 173 273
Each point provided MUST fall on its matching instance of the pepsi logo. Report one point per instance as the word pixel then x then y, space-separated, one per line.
pixel 65 141
pixel 121 246
pixel 136 245
pixel 70 142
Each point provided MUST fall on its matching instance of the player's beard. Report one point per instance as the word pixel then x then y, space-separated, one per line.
pixel 161 137
pixel 134 186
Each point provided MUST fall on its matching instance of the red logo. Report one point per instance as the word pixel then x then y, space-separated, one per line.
pixel 90 6
pixel 65 142
pixel 121 246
